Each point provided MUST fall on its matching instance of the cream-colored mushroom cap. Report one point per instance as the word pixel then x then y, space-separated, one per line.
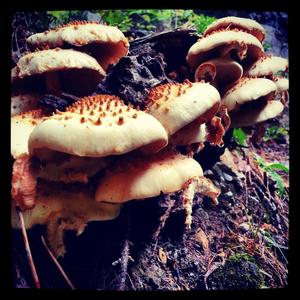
pixel 98 126
pixel 177 105
pixel 106 43
pixel 260 113
pixel 51 202
pixel 231 22
pixel 268 65
pixel 221 43
pixel 72 71
pixel 140 178
pixel 21 127
pixel 222 70
pixel 246 90
pixel 281 83
pixel 24 102
pixel 62 208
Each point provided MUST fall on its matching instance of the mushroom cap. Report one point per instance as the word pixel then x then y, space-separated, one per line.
pixel 107 43
pixel 231 22
pixel 78 72
pixel 177 105
pixel 140 178
pixel 24 102
pixel 268 65
pixel 52 201
pixel 223 70
pixel 281 83
pixel 261 113
pixel 98 126
pixel 220 43
pixel 21 127
pixel 246 90
pixel 195 132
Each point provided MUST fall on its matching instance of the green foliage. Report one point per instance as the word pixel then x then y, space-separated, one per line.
pixel 267 46
pixel 146 19
pixel 58 17
pixel 241 256
pixel 239 136
pixel 275 132
pixel 272 170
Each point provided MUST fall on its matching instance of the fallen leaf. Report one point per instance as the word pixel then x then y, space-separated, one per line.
pixel 162 256
pixel 201 237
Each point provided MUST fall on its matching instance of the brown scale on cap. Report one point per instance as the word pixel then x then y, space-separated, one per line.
pixel 75 24
pixel 166 91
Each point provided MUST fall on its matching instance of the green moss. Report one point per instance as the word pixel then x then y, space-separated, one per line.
pixel 239 272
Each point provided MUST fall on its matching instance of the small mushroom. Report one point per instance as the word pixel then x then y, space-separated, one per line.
pixel 106 43
pixel 244 24
pixel 260 113
pixel 56 70
pixel 239 45
pixel 248 90
pixel 251 101
pixel 177 105
pixel 268 65
pixel 219 72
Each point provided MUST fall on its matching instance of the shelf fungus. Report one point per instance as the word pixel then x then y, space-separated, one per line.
pixel 137 178
pixel 244 24
pixel 106 43
pixel 60 208
pixel 251 101
pixel 236 44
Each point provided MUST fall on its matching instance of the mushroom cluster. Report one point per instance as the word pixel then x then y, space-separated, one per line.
pixel 83 163
pixel 230 56
pixel 68 60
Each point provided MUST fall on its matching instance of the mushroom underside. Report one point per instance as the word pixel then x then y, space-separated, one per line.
pixel 79 82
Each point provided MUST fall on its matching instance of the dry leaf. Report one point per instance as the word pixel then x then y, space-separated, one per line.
pixel 201 237
pixel 162 256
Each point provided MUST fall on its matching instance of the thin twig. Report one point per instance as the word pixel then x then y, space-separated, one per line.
pixel 28 251
pixel 71 285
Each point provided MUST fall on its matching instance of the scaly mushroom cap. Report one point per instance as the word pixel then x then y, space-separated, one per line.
pixel 221 43
pixel 245 24
pixel 106 43
pixel 223 71
pixel 260 113
pixel 77 72
pixel 98 126
pixel 177 105
pixel 21 127
pixel 23 103
pixel 140 178
pixel 281 83
pixel 268 65
pixel 246 90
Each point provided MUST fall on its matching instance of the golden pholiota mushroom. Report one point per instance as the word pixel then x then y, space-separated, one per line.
pixel 184 109
pixel 243 24
pixel 236 44
pixel 63 207
pixel 137 178
pixel 220 72
pixel 106 43
pixel 251 101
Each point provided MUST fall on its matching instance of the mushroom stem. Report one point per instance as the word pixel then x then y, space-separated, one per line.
pixel 52 83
